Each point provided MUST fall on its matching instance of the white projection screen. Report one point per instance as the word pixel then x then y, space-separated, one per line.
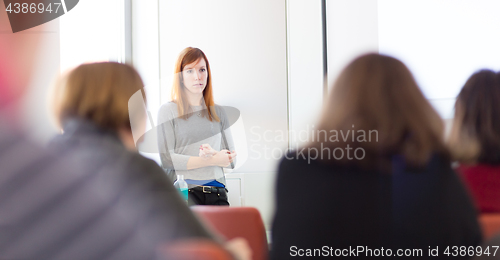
pixel 442 42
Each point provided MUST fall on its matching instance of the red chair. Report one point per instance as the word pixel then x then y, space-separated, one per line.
pixel 197 249
pixel 233 222
pixel 490 224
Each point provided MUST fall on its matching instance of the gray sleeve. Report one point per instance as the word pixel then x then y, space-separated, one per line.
pixel 167 140
pixel 227 138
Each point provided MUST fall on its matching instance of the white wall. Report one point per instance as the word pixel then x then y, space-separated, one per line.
pixel 36 114
pixel 442 42
pixel 92 40
pixel 146 52
pixel 305 67
pixel 146 56
pixel 352 30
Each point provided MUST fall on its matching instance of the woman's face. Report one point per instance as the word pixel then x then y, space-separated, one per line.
pixel 194 76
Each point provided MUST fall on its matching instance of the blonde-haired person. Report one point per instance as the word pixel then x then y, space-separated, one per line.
pixel 193 137
pixel 475 138
pixel 376 175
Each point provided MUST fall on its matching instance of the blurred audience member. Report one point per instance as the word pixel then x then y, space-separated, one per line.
pixel 475 138
pixel 91 103
pixel 57 204
pixel 376 175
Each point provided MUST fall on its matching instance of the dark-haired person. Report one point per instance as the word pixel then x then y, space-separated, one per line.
pixel 475 138
pixel 387 185
pixel 192 121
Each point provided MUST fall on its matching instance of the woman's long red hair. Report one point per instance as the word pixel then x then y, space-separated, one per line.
pixel 188 56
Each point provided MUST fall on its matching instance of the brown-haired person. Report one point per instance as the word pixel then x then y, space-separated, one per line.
pixel 91 104
pixel 193 137
pixel 475 138
pixel 392 187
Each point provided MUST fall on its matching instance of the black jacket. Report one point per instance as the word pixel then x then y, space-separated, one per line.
pixel 339 206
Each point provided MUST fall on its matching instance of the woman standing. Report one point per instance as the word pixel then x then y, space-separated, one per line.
pixel 193 137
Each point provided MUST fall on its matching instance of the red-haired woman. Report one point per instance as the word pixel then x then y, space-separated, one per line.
pixel 475 138
pixel 192 124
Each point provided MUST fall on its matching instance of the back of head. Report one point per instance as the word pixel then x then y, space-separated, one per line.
pixel 475 134
pixel 377 101
pixel 99 93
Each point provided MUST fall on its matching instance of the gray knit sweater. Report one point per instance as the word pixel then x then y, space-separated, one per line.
pixel 179 139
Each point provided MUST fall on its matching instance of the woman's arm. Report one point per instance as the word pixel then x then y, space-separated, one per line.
pixel 167 141
pixel 221 159
pixel 227 137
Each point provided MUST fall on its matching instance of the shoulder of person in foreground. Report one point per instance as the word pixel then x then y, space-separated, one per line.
pixel 144 181
pixel 138 181
pixel 430 196
pixel 147 175
pixel 50 196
